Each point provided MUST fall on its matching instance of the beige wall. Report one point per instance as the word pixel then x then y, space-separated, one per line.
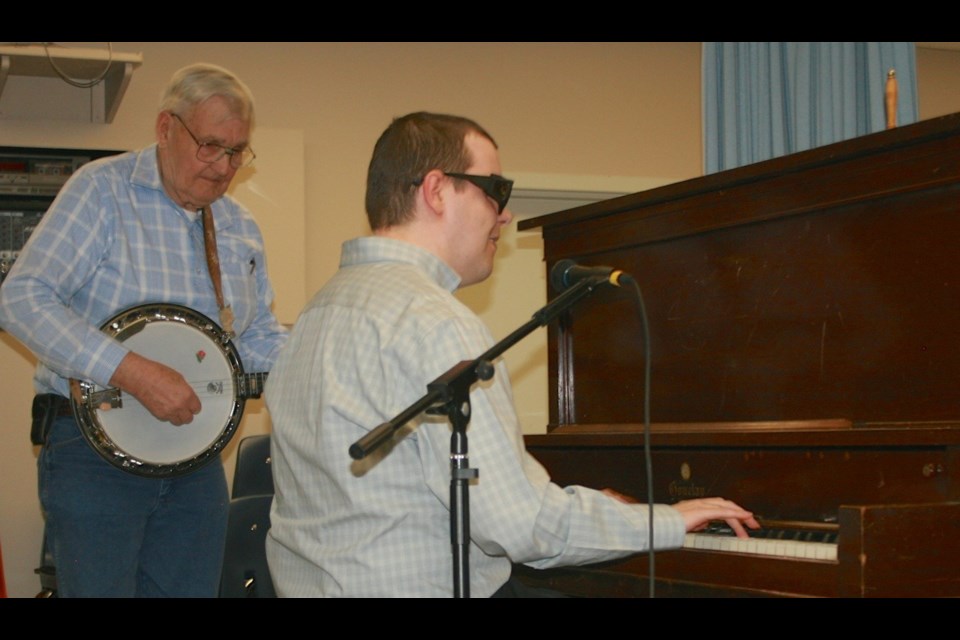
pixel 580 116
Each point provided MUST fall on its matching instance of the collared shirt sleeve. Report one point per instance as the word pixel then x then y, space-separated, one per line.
pixel 515 508
pixel 58 260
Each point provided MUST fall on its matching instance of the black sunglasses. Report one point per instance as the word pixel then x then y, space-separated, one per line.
pixel 497 187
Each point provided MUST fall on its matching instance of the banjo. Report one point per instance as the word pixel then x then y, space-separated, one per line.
pixel 128 436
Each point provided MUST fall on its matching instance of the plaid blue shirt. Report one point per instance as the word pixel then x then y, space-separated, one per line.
pixel 363 350
pixel 113 239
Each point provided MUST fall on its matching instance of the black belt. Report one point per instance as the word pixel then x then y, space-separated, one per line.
pixel 53 404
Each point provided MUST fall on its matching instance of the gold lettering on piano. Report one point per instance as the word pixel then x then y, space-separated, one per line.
pixel 685 488
pixel 685 491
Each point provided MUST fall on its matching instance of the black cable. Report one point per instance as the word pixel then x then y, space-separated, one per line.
pixel 648 457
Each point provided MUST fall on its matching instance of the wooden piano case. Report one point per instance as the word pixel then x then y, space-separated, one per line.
pixel 804 321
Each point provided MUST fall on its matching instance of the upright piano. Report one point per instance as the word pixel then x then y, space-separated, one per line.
pixel 804 356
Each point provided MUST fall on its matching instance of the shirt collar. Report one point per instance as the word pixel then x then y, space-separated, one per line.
pixel 146 172
pixel 378 249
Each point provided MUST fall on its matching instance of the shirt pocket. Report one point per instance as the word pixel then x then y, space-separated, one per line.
pixel 239 274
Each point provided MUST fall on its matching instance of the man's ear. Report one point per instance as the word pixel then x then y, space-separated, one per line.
pixel 164 122
pixel 431 190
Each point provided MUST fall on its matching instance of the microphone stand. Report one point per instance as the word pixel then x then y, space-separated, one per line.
pixel 450 394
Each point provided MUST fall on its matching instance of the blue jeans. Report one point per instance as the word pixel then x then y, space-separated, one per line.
pixel 116 534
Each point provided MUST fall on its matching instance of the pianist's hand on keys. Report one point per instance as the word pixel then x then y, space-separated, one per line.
pixel 697 514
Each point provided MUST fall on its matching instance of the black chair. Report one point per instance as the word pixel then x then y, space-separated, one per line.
pixel 245 571
pixel 253 475
pixel 47 571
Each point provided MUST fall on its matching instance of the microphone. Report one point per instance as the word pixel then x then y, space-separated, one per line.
pixel 567 273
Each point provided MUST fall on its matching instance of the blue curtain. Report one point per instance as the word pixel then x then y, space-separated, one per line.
pixel 767 99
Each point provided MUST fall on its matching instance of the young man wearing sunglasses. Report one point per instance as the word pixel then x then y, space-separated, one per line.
pixel 364 350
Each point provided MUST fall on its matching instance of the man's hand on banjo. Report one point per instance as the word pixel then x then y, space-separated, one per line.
pixel 161 390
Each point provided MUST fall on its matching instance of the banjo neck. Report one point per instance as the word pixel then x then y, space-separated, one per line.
pixel 250 385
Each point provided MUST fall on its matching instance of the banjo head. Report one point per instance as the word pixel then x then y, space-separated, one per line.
pixel 130 437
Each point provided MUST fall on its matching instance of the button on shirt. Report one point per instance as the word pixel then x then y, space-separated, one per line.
pixel 364 350
pixel 113 239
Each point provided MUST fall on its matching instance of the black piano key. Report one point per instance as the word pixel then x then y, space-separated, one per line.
pixel 777 533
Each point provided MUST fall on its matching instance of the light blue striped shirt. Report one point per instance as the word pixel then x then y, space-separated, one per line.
pixel 113 239
pixel 363 350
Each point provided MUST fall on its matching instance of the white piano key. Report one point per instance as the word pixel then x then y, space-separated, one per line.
pixel 762 546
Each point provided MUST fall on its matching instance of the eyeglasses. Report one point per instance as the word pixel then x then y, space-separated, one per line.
pixel 497 187
pixel 211 152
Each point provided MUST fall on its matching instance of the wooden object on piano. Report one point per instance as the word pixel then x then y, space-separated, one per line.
pixel 890 98
pixel 804 317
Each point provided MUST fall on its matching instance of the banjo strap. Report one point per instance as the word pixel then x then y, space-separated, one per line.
pixel 213 265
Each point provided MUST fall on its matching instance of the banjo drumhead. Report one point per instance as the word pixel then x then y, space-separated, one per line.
pixel 130 437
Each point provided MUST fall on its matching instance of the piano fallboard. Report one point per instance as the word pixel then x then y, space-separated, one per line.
pixel 790 474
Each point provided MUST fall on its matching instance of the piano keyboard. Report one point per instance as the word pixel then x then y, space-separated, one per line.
pixel 779 542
